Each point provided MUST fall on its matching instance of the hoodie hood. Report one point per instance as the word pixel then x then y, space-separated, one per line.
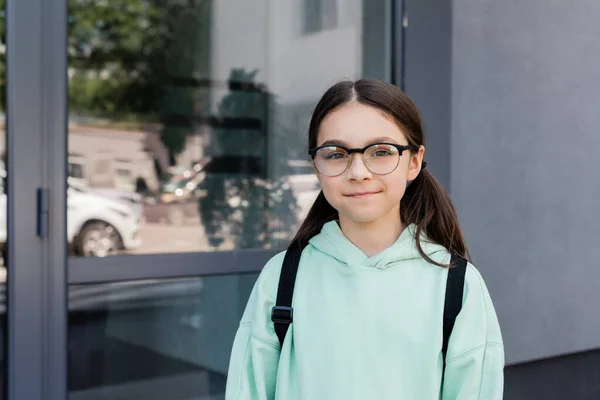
pixel 332 241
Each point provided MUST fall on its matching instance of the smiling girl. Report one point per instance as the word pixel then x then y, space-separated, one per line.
pixel 372 312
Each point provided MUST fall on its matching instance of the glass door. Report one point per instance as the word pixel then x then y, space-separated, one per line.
pixel 187 172
pixel 151 163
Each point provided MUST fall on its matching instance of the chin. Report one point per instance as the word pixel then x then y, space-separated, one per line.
pixel 368 213
pixel 363 218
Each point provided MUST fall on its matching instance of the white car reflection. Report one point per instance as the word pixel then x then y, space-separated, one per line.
pixel 97 226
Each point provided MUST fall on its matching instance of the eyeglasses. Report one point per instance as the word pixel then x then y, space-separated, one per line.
pixel 380 158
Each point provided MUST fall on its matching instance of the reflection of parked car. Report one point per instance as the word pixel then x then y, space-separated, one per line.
pixel 96 225
pixel 100 226
pixel 131 199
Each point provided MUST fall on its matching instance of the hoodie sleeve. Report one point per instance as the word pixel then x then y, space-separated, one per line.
pixel 475 359
pixel 255 355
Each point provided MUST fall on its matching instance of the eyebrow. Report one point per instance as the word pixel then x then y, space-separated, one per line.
pixel 341 143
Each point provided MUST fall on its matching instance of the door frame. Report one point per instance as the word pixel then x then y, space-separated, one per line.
pixel 36 167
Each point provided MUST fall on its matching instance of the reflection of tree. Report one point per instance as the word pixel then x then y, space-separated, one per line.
pixel 243 203
pixel 243 117
pixel 140 61
pixel 148 61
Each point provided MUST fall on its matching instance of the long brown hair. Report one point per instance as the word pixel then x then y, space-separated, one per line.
pixel 425 203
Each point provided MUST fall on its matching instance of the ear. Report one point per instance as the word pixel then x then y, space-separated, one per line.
pixel 414 165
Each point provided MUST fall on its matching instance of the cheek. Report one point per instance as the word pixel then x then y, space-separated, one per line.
pixel 328 185
pixel 395 186
pixel 332 190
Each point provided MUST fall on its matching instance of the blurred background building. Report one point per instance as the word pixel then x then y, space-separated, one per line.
pixel 153 159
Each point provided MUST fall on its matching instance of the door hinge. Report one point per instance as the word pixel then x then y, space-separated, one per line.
pixel 42 212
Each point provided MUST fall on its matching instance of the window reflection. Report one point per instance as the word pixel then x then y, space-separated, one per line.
pixel 154 339
pixel 193 116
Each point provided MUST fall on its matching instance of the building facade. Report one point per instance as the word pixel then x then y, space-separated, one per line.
pixel 154 158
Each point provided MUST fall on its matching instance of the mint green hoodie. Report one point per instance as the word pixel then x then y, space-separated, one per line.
pixel 367 328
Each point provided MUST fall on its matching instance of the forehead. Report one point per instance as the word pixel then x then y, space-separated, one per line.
pixel 358 125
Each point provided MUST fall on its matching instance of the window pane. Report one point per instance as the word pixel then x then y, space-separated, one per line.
pixel 320 15
pixel 188 119
pixel 154 340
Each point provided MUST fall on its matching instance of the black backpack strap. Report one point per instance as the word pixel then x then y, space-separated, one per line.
pixel 455 284
pixel 282 314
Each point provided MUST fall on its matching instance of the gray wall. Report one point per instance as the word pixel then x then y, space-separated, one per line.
pixel 525 174
pixel 510 96
pixel 427 77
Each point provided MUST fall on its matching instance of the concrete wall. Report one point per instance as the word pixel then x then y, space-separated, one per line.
pixel 427 73
pixel 517 141
pixel 525 173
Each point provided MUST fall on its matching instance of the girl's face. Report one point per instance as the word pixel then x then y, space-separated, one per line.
pixel 359 195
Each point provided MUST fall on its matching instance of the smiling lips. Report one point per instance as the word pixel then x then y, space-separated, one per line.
pixel 362 195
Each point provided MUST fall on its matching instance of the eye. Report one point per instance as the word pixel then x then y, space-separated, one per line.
pixel 336 155
pixel 382 150
pixel 332 153
pixel 381 153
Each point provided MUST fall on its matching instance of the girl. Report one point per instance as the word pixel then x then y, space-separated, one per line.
pixel 369 293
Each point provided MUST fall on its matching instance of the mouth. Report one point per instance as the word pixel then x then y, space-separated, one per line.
pixel 362 195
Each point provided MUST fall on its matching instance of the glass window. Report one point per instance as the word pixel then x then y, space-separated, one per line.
pixel 75 170
pixel 154 340
pixel 209 102
pixel 320 15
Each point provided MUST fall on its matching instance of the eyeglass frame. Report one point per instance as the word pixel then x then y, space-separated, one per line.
pixel 401 149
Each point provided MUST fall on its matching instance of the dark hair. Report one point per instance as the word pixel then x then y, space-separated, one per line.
pixel 425 203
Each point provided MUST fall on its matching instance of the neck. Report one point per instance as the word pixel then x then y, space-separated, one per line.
pixel 372 237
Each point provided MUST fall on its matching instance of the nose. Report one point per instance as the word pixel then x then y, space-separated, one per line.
pixel 357 170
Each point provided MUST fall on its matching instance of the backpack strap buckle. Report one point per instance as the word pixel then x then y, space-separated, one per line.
pixel 282 315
